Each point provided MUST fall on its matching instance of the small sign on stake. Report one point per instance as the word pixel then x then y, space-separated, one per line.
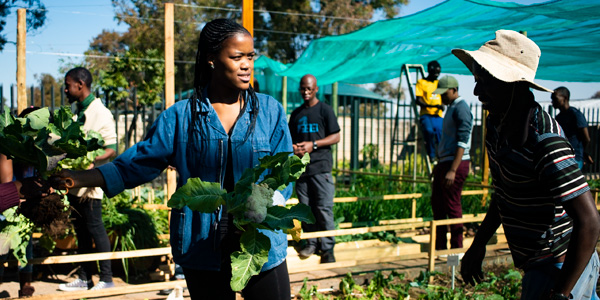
pixel 452 260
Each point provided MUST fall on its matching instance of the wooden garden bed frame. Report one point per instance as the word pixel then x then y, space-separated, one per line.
pixel 346 229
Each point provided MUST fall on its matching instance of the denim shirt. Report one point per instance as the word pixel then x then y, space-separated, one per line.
pixel 194 235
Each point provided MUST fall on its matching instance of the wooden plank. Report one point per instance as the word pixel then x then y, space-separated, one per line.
pixel 338 232
pixel 21 63
pixel 120 290
pixel 474 192
pixel 170 82
pixel 98 256
pixel 479 218
pixel 298 268
pixel 356 199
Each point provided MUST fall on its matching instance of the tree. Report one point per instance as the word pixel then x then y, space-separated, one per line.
pixel 388 90
pixel 282 28
pixel 596 95
pixel 135 70
pixel 36 15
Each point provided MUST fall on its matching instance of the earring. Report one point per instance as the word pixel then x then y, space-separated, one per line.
pixel 212 66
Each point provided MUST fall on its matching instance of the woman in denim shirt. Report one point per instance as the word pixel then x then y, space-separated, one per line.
pixel 221 131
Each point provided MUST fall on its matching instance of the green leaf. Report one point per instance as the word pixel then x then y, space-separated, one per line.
pixel 39 119
pixel 279 217
pixel 5 118
pixel 198 195
pixel 63 117
pixel 286 169
pixel 250 260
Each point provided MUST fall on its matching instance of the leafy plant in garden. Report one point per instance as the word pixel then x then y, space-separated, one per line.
pixel 16 230
pixel 251 205
pixel 34 141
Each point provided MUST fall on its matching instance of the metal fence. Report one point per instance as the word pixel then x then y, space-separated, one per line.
pixel 375 136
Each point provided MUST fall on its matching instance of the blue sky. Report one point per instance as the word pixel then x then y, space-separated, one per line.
pixel 72 24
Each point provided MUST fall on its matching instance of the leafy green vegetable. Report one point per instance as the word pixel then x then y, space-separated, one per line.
pixel 36 142
pixel 251 204
pixel 16 230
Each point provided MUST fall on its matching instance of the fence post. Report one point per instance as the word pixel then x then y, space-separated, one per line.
pixel 32 101
pixel 284 93
pixel 432 238
pixel 170 82
pixel 21 65
pixel 354 130
pixel 42 100
pixel 52 98
pixel 485 162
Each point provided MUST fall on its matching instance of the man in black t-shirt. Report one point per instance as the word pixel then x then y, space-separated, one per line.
pixel 573 123
pixel 314 128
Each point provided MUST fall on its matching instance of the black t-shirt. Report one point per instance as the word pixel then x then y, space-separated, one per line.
pixel 311 124
pixel 570 121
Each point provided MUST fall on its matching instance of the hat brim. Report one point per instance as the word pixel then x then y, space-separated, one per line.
pixel 440 91
pixel 503 69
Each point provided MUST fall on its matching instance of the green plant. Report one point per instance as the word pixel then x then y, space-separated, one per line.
pixel 130 228
pixel 250 203
pixel 16 230
pixel 310 292
pixel 348 287
pixel 34 141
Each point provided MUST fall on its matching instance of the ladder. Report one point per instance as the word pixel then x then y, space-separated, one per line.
pixel 411 139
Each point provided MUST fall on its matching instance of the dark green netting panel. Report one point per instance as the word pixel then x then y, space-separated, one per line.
pixel 567 31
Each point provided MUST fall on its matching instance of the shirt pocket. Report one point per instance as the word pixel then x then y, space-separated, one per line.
pixel 260 148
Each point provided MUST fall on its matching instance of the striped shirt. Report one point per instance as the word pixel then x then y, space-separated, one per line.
pixel 531 182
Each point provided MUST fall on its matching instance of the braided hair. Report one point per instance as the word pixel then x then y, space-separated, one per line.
pixel 212 37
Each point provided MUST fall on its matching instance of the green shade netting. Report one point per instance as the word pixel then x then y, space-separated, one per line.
pixel 567 31
pixel 270 83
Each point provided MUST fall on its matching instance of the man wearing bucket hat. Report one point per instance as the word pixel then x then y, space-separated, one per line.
pixel 453 167
pixel 540 196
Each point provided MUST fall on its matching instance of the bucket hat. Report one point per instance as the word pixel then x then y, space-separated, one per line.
pixel 510 57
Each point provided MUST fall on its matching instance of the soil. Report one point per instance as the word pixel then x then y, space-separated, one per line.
pixel 49 213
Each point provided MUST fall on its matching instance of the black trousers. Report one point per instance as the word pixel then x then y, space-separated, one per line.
pixel 87 220
pixel 273 284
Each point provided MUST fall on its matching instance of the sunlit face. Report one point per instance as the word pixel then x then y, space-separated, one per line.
pixel 494 94
pixel 233 65
pixel 73 89
pixel 308 88
pixel 558 100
